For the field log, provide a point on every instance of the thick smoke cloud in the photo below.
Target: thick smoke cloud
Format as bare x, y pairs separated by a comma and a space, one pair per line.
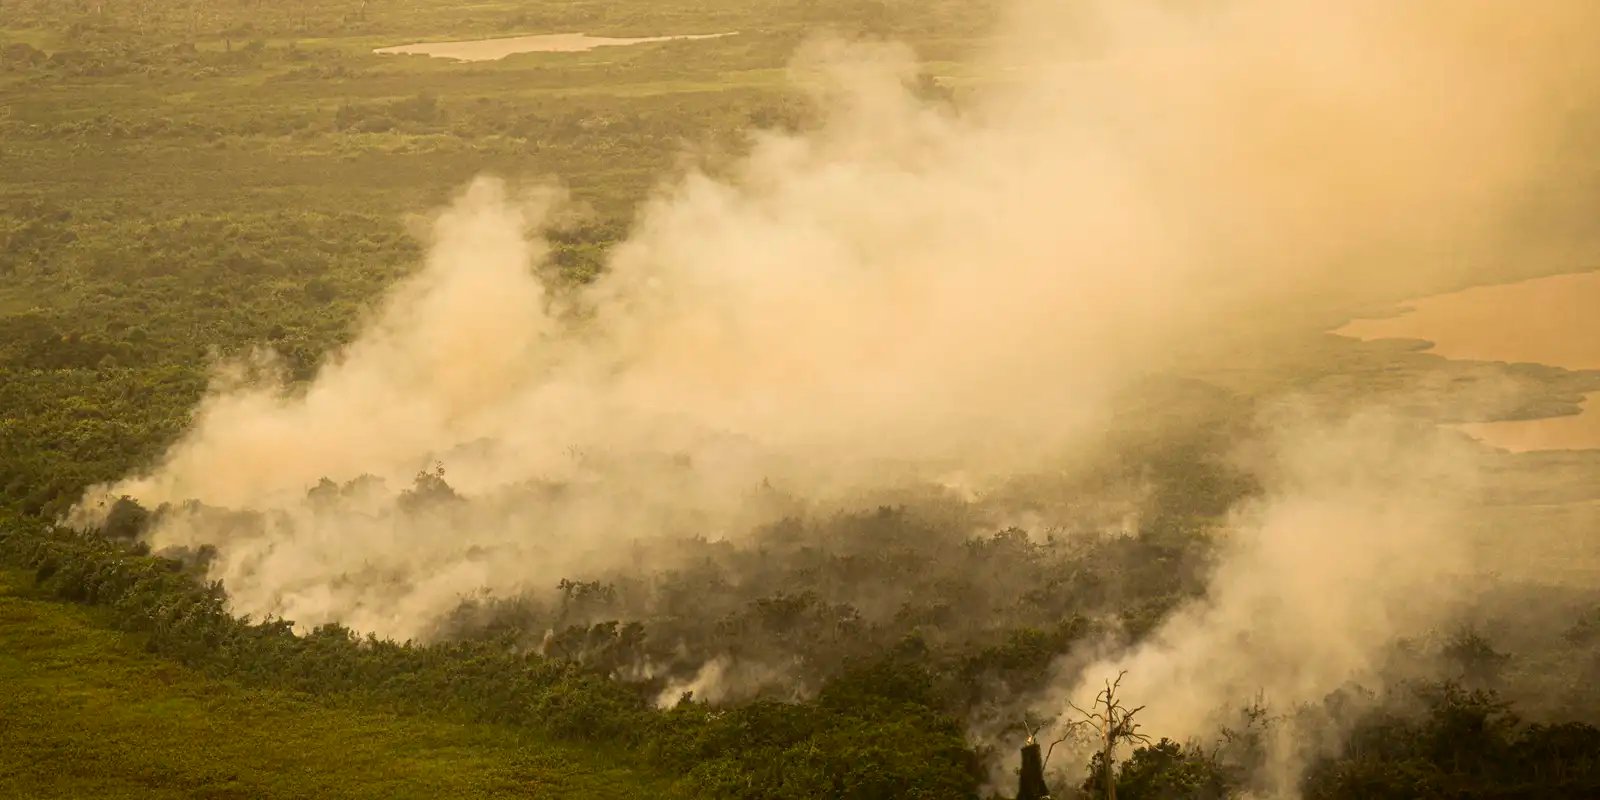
1358, 543
911, 292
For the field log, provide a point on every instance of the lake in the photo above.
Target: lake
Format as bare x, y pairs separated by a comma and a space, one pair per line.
1553, 320
495, 49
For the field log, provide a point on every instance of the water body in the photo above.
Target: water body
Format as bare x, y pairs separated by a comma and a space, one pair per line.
495, 49
1554, 320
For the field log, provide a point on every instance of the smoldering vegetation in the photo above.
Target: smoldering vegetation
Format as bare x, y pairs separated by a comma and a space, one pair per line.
1269, 661
932, 393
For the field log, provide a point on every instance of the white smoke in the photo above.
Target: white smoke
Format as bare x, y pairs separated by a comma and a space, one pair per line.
1356, 543
909, 291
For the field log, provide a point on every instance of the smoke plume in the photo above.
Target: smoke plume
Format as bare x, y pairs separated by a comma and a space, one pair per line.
911, 290
1356, 543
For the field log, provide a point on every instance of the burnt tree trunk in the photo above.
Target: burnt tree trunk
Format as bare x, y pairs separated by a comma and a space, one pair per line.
1030, 783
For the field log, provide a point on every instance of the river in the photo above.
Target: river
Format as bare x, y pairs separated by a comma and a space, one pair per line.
1553, 320
495, 49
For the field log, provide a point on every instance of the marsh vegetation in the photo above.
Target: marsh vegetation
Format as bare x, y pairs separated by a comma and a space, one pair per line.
795, 414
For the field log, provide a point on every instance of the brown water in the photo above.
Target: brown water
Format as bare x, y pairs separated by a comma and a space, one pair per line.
495, 49
1553, 321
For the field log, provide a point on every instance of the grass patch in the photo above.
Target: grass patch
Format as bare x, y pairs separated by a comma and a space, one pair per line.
85, 712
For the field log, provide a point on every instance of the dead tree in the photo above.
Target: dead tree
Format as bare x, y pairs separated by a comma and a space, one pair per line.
1112, 724
1030, 778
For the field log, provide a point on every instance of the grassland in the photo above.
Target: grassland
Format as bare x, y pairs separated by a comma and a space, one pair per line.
86, 712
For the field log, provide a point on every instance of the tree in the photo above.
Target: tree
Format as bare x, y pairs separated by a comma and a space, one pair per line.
1112, 724
126, 521
1030, 780
1169, 771
428, 490
1473, 660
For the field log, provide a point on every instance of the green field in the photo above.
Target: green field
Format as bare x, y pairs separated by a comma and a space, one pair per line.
86, 712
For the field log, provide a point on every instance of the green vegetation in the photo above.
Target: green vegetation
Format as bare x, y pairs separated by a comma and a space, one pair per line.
86, 712
184, 179
882, 727
873, 732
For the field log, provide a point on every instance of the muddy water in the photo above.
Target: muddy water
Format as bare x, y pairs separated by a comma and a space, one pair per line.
1553, 321
494, 49
1577, 431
